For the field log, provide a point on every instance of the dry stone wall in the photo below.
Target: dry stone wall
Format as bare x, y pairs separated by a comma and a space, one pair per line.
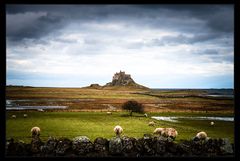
125, 146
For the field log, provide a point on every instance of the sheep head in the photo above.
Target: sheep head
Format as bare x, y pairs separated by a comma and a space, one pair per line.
35, 131
118, 130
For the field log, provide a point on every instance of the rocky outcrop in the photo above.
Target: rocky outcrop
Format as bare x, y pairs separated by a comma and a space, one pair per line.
95, 86
123, 79
120, 146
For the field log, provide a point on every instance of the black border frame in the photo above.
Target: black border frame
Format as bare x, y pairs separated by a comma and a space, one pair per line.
236, 68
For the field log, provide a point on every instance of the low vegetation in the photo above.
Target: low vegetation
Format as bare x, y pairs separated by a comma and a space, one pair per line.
99, 124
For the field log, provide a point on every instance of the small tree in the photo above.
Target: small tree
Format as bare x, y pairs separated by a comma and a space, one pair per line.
133, 106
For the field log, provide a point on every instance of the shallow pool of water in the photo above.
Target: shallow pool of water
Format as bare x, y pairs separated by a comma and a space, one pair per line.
35, 107
176, 119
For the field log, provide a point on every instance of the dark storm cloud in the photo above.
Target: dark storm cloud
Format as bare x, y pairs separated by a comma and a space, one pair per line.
31, 25
215, 16
35, 21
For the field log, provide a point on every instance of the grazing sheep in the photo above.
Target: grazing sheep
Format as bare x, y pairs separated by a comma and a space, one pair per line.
152, 123
212, 123
35, 131
145, 115
40, 110
14, 116
109, 113
118, 130
25, 115
166, 132
201, 135
171, 132
158, 131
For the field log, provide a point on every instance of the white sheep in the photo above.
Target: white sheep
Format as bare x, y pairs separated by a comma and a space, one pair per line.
35, 131
166, 132
118, 130
152, 123
25, 115
14, 116
212, 123
158, 131
109, 113
201, 135
170, 132
40, 110
145, 115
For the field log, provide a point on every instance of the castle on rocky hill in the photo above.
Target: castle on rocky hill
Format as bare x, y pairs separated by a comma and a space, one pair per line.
123, 79
119, 79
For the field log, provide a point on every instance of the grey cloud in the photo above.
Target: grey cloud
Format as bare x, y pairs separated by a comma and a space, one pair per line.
214, 20
182, 39
91, 41
215, 55
31, 25
62, 40
211, 52
217, 17
222, 22
222, 58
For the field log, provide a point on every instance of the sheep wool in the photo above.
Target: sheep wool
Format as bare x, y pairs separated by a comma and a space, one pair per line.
171, 132
118, 130
35, 131
151, 123
166, 132
212, 123
109, 113
14, 116
201, 135
158, 131
24, 115
40, 110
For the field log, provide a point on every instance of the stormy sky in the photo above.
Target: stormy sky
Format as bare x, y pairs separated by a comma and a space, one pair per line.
161, 46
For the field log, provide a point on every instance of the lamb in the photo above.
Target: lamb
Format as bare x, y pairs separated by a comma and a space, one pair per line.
201, 135
118, 130
14, 116
145, 115
35, 131
212, 123
152, 123
109, 113
25, 115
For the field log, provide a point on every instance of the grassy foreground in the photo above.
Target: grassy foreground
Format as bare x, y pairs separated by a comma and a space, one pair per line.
99, 124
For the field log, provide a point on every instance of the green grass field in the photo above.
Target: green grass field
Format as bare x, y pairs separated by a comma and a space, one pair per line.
99, 124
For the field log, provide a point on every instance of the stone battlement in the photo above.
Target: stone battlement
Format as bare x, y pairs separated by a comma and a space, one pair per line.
121, 75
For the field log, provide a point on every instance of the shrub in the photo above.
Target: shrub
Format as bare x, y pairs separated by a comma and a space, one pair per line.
133, 106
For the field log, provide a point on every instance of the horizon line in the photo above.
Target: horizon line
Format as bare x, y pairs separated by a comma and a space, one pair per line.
147, 87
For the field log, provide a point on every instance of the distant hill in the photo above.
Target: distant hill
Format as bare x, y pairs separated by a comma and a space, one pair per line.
120, 80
